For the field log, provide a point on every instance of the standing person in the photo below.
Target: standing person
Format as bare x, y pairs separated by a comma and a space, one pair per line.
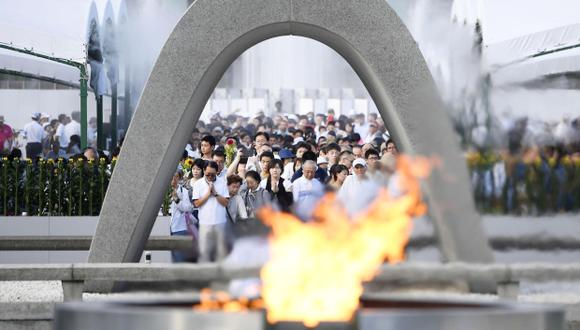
254, 196
373, 133
34, 135
74, 147
288, 158
338, 174
192, 147
265, 159
6, 135
55, 152
236, 209
211, 196
92, 133
195, 175
206, 147
73, 126
357, 191
391, 147
220, 158
306, 191
360, 126
279, 188
60, 136
322, 163
260, 140
181, 209
332, 153
320, 174
372, 159
346, 158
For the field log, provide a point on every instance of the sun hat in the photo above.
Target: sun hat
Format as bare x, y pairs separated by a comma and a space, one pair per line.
359, 161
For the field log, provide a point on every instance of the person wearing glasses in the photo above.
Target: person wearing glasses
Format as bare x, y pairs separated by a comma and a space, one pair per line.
210, 195
357, 191
372, 158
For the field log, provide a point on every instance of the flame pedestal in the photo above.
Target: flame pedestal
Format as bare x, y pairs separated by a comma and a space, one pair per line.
374, 314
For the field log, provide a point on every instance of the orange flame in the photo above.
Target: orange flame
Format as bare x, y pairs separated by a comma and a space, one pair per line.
317, 268
220, 300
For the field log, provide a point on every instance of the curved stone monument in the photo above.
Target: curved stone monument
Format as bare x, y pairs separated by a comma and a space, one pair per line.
210, 36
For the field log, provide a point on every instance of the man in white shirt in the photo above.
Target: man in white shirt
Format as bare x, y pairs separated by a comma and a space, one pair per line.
34, 135
373, 133
360, 126
220, 158
357, 191
211, 196
92, 132
74, 126
60, 136
306, 191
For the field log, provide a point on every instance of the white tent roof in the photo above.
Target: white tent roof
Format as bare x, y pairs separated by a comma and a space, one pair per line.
515, 30
516, 49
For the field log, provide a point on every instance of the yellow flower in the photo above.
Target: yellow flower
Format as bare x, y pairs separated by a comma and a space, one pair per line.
102, 160
189, 162
552, 162
538, 161
70, 160
29, 161
114, 159
60, 159
4, 158
473, 158
50, 161
566, 160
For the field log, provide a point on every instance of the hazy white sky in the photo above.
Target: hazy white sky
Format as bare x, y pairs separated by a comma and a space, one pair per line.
58, 26
508, 19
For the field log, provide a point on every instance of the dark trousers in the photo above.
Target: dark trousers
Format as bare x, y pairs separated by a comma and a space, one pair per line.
178, 255
33, 150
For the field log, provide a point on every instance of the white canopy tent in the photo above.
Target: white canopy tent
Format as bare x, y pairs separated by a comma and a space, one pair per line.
526, 41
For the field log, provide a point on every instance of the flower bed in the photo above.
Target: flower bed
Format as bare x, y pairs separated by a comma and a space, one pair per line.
55, 187
501, 185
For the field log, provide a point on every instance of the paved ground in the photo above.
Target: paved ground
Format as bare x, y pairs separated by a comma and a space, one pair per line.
560, 225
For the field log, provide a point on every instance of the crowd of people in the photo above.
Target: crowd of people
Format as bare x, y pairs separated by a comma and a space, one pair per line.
233, 166
48, 138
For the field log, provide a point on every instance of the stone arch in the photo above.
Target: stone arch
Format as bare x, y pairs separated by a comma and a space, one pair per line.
210, 36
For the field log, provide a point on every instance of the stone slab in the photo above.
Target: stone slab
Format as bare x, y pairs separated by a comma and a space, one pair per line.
36, 272
210, 36
26, 311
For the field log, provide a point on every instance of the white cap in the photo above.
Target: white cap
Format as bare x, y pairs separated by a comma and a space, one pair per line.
298, 139
321, 160
359, 161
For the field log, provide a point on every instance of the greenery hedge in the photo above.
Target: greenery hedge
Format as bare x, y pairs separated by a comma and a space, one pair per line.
57, 188
532, 186
78, 187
